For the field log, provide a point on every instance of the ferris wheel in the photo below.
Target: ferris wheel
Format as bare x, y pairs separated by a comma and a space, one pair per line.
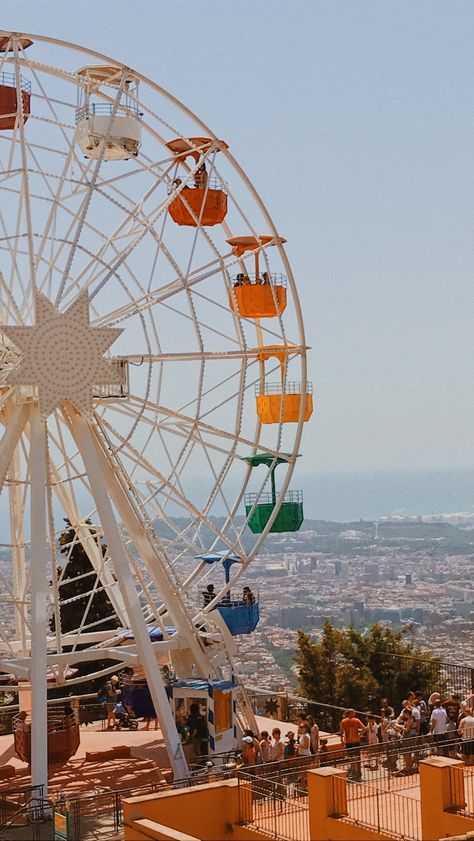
153, 385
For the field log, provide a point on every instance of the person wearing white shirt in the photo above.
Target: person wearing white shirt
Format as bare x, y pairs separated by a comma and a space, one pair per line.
439, 724
466, 729
277, 747
417, 717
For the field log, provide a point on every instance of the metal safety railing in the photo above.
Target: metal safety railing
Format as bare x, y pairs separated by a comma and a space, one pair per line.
103, 109
287, 706
87, 711
368, 806
99, 813
8, 80
211, 183
266, 498
462, 791
274, 279
402, 672
23, 806
389, 766
282, 388
273, 808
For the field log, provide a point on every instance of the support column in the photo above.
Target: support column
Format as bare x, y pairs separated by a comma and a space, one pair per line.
18, 549
39, 602
85, 442
326, 798
442, 794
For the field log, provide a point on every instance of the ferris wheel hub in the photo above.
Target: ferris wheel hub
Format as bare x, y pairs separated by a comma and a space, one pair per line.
63, 355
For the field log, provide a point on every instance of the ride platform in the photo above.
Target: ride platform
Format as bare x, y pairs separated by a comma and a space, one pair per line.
140, 759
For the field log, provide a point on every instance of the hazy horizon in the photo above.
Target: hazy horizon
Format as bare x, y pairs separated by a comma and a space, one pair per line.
368, 495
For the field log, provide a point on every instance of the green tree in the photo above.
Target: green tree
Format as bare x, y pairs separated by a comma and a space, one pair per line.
77, 580
350, 669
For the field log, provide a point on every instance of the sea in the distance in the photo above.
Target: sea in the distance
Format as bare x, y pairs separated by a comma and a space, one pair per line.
368, 496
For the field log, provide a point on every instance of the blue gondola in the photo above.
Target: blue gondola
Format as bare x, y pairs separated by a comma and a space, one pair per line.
239, 616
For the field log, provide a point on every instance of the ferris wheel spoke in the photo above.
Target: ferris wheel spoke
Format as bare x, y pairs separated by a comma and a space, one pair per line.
145, 226
156, 296
151, 499
217, 490
14, 425
8, 303
222, 355
25, 176
187, 421
87, 198
87, 538
174, 493
17, 498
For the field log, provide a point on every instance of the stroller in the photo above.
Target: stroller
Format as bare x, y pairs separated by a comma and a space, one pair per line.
125, 717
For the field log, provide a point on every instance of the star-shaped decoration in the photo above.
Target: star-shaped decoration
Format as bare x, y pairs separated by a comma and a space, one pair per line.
63, 355
271, 707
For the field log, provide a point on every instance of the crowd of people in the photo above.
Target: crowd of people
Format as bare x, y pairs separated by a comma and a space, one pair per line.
448, 723
445, 724
304, 741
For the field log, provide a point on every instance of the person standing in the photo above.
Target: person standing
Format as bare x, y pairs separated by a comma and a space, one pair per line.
198, 732
372, 732
304, 740
256, 744
111, 695
409, 725
248, 751
208, 595
201, 177
385, 708
264, 746
466, 730
351, 729
290, 747
277, 747
314, 734
424, 713
439, 724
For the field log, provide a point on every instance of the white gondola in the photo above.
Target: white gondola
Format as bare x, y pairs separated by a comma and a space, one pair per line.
107, 129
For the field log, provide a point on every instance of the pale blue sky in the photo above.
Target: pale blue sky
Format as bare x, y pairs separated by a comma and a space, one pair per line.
355, 122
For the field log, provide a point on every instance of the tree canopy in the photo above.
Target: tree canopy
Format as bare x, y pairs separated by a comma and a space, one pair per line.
76, 582
352, 669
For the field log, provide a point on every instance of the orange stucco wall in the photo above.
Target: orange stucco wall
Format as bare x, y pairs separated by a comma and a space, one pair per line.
442, 784
322, 805
208, 812
146, 829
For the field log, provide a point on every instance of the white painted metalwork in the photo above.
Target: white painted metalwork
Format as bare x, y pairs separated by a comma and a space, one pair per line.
140, 450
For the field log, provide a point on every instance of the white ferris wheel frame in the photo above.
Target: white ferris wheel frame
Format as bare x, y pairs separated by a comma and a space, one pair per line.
101, 444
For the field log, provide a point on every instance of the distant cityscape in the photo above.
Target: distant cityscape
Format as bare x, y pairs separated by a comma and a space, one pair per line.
416, 571
401, 571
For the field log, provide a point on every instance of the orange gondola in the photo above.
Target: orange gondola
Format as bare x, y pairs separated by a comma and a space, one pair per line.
277, 403
205, 201
256, 295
